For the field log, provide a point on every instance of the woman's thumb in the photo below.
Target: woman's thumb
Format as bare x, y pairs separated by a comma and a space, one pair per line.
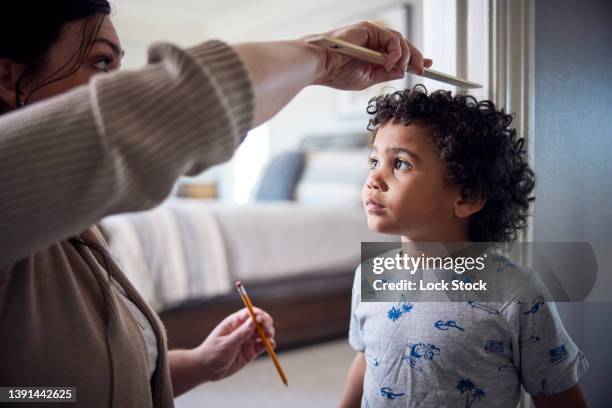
242, 332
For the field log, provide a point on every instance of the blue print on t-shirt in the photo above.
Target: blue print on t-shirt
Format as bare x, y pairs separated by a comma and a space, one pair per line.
442, 325
472, 393
478, 305
537, 302
494, 346
397, 311
557, 354
389, 394
419, 353
371, 359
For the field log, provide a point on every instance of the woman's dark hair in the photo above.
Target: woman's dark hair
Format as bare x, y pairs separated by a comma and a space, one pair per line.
30, 28
483, 155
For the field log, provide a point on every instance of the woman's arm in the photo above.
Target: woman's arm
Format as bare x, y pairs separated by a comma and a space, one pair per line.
184, 371
353, 390
119, 143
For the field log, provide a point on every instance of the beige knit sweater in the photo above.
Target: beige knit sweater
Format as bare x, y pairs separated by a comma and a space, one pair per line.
115, 145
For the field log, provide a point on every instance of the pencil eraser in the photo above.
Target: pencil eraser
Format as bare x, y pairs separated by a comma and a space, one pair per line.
238, 284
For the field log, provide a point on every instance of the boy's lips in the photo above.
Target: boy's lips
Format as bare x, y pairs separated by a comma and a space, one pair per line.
373, 206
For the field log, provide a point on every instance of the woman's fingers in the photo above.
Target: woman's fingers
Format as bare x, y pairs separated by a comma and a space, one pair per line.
379, 74
241, 333
255, 335
264, 315
239, 326
259, 341
402, 63
387, 41
266, 321
401, 54
230, 323
395, 50
416, 60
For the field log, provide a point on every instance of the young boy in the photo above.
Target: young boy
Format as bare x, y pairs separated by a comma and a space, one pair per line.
444, 169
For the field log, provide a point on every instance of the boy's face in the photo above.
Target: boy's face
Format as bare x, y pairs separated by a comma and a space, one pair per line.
405, 192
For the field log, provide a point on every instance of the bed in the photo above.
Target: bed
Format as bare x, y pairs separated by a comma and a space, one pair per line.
295, 247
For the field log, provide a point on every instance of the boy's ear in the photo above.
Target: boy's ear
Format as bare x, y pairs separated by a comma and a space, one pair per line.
466, 206
10, 71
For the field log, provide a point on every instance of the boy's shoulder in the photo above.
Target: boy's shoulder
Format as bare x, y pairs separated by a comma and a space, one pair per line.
512, 282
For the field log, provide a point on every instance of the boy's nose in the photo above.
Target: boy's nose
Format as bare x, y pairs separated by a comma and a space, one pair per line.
376, 182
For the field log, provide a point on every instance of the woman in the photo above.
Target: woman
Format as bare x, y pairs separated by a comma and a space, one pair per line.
75, 147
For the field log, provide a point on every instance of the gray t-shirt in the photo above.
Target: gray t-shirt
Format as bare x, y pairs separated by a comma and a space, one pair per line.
462, 354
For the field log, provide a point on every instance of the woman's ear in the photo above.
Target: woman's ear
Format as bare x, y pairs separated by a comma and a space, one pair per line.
10, 72
466, 206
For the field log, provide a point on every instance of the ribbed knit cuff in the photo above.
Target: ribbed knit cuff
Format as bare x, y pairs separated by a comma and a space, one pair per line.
228, 70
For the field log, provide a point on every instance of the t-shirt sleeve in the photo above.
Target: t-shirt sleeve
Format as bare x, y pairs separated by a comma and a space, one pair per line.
355, 327
549, 361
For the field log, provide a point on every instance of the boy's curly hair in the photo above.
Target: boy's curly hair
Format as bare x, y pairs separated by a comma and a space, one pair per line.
482, 154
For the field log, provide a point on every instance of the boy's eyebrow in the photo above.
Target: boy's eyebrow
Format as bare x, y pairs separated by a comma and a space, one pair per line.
400, 150
406, 151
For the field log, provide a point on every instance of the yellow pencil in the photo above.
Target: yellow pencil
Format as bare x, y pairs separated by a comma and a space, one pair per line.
247, 302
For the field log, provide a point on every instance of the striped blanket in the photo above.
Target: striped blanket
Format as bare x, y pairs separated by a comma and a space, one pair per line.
171, 253
193, 249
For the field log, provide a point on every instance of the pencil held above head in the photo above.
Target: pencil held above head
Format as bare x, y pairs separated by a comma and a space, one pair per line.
345, 71
280, 71
347, 48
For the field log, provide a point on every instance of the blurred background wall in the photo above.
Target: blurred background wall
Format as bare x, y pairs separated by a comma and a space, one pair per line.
572, 156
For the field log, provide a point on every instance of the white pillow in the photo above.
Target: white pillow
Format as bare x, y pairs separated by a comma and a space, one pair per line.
333, 178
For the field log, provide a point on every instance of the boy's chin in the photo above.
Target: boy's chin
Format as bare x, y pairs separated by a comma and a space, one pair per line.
379, 226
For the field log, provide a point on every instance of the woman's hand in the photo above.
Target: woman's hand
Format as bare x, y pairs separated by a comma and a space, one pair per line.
279, 70
232, 344
349, 73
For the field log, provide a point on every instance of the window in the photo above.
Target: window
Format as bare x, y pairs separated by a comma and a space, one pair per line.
248, 162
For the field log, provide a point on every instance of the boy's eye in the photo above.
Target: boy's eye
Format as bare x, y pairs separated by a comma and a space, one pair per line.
372, 162
401, 165
104, 64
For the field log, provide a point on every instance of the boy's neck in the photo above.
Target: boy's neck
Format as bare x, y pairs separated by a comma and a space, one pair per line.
454, 236
439, 245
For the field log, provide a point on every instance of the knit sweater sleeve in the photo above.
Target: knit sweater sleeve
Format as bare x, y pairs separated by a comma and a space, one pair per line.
118, 143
